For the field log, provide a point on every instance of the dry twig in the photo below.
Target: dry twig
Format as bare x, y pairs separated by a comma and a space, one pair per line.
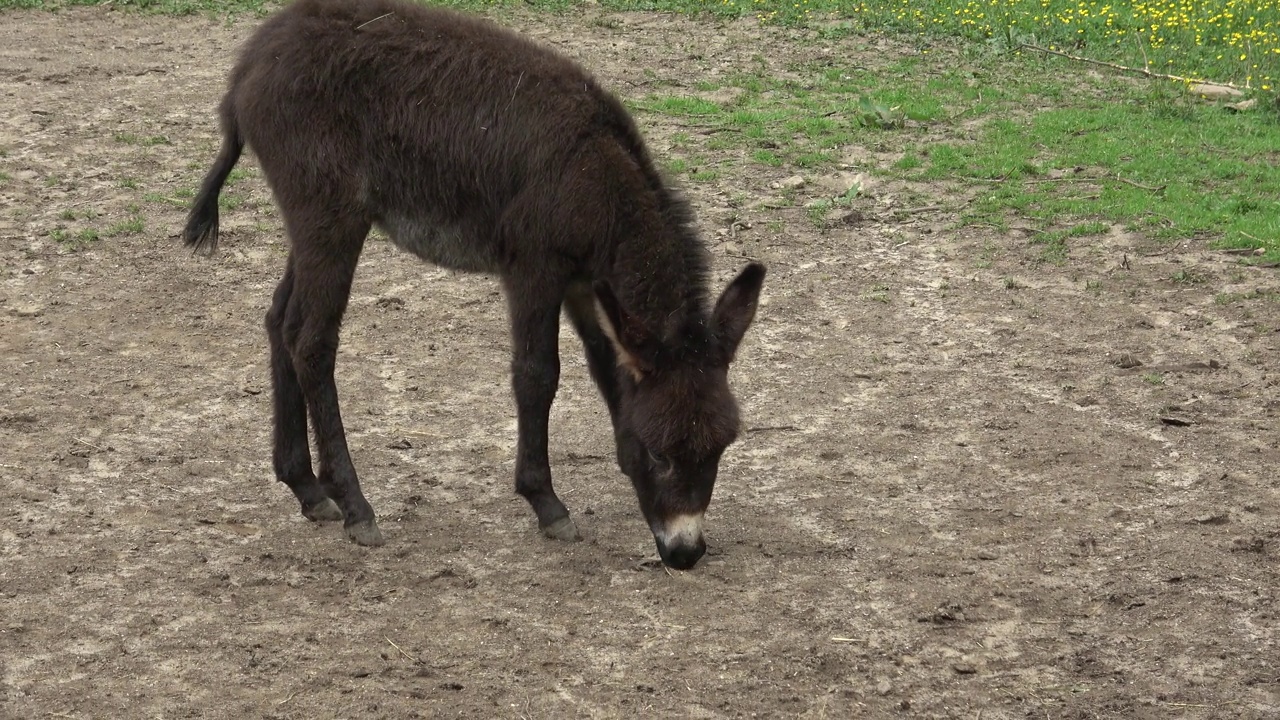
1140, 186
1125, 68
401, 650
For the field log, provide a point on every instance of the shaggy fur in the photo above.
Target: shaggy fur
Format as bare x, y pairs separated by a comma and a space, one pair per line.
478, 150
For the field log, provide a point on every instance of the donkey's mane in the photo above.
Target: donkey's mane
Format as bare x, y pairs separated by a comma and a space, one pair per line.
677, 217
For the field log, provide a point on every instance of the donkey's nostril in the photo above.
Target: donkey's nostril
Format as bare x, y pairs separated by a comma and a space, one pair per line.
682, 557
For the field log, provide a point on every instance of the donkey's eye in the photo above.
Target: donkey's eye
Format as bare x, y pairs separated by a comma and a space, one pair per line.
659, 460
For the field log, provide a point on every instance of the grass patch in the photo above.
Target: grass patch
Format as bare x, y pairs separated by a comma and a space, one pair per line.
1188, 277
132, 226
71, 214
1254, 295
160, 199
134, 139
1056, 242
1130, 163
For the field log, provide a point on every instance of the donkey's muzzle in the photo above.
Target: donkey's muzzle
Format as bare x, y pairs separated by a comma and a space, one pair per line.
680, 542
682, 557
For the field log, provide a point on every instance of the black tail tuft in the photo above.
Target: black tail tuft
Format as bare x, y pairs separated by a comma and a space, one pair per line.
202, 223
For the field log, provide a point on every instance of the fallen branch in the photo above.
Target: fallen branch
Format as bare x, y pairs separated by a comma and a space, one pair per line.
1140, 186
1116, 66
773, 428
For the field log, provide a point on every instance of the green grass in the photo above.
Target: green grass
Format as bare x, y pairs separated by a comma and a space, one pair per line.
134, 139
1200, 173
1255, 295
132, 226
161, 199
1074, 160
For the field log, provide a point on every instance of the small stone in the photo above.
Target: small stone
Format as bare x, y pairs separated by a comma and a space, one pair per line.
401, 444
1250, 544
842, 184
987, 555
1210, 91
884, 687
1243, 106
27, 310
795, 182
964, 668
1212, 519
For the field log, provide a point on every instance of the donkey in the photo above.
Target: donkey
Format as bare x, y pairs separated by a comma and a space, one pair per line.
478, 150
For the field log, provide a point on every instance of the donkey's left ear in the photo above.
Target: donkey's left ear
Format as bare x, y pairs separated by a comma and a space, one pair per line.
631, 340
736, 308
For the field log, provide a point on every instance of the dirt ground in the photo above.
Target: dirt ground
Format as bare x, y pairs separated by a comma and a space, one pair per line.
951, 500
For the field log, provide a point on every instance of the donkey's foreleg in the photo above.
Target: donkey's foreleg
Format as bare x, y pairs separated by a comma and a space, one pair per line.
325, 251
535, 374
291, 455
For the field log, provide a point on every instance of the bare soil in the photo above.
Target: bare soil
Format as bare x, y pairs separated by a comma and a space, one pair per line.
951, 500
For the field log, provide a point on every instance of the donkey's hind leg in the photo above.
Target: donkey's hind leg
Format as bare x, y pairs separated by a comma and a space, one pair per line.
326, 248
291, 455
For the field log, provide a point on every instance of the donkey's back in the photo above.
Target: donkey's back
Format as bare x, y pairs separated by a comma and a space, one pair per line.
450, 132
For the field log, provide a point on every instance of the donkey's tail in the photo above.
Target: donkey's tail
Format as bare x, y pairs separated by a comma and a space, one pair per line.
202, 222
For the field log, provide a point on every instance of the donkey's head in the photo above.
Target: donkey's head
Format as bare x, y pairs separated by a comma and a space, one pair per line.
676, 414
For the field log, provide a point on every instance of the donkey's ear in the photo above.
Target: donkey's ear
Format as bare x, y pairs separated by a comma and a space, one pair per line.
629, 337
736, 308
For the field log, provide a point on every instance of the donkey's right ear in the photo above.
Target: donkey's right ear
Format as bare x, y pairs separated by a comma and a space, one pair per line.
628, 336
736, 308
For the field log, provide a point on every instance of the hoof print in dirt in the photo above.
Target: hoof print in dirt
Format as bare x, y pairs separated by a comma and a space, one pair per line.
366, 533
325, 511
562, 529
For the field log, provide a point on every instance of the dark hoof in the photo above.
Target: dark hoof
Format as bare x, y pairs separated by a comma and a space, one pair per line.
562, 529
366, 533
324, 511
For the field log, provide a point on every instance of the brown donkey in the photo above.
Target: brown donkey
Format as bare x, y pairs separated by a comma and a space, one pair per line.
478, 150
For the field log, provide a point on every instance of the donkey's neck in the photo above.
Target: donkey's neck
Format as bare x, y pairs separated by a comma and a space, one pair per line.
659, 271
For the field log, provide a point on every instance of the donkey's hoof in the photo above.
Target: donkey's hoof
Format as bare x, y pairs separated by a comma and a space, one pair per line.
324, 511
562, 529
366, 533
